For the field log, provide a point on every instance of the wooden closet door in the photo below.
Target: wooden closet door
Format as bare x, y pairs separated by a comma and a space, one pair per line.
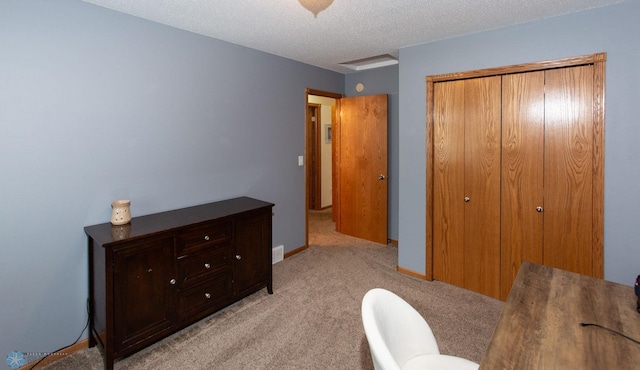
467, 184
522, 173
482, 141
550, 195
448, 183
569, 160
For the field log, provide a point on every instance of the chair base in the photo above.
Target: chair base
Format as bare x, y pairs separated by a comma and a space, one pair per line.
440, 362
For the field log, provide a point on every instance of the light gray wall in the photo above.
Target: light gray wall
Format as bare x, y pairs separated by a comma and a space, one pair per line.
613, 29
97, 106
384, 81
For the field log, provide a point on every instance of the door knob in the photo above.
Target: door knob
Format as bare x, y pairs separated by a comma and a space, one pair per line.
467, 199
539, 209
381, 177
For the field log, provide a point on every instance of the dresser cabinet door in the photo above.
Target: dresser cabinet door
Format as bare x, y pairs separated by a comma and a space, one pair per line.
144, 281
252, 260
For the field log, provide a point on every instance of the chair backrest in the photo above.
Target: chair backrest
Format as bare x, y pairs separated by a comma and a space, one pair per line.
396, 332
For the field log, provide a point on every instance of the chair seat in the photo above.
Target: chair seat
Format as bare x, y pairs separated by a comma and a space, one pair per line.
398, 334
439, 362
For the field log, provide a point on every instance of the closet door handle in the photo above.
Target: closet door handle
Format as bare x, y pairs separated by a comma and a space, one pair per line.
539, 209
467, 199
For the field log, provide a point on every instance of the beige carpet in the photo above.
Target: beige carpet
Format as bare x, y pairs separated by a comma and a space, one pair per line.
312, 321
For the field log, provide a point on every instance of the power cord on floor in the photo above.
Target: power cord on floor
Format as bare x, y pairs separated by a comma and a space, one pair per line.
611, 330
60, 349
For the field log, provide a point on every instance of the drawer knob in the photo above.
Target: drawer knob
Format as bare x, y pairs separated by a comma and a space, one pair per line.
206, 237
238, 257
207, 295
172, 281
206, 265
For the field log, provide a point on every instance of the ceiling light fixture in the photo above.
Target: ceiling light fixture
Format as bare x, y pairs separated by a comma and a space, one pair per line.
372, 62
315, 6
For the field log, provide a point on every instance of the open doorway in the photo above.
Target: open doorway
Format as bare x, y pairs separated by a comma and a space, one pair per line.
322, 109
320, 112
358, 189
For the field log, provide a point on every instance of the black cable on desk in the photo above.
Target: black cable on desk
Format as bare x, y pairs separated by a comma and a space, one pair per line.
611, 330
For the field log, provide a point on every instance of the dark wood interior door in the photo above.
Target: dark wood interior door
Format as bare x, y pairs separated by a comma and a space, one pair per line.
363, 167
314, 161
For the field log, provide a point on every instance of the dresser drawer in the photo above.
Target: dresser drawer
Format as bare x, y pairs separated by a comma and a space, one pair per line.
198, 266
212, 294
196, 239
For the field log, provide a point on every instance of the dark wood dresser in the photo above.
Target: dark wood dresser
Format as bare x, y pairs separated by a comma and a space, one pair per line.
162, 272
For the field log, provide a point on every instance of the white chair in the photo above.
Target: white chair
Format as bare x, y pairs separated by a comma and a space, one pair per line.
399, 338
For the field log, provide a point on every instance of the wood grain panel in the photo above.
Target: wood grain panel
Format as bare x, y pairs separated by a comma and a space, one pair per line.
599, 72
576, 177
448, 182
522, 173
568, 214
539, 327
363, 151
429, 179
334, 167
525, 67
482, 147
348, 161
337, 165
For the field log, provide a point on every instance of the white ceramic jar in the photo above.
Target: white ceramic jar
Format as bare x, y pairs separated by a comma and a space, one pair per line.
120, 213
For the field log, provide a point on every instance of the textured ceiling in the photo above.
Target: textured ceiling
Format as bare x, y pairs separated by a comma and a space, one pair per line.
347, 30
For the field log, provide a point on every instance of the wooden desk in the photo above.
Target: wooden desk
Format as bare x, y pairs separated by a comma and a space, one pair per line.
540, 325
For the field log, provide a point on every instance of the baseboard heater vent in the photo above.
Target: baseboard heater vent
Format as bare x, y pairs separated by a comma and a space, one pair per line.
277, 254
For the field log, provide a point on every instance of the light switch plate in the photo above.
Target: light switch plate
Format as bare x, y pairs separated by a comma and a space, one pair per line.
300, 161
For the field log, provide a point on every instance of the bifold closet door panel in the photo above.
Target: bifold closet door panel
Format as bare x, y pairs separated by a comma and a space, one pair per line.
467, 184
482, 142
448, 183
522, 173
568, 213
